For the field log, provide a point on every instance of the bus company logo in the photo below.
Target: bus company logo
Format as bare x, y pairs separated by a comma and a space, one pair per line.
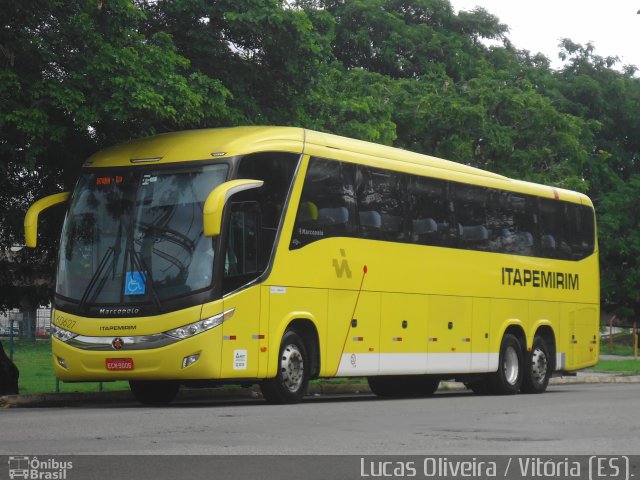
35, 469
342, 267
117, 343
114, 328
119, 311
540, 279
354, 360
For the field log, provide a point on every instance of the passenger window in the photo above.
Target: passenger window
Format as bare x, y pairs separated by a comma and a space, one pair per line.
511, 223
553, 243
380, 204
470, 207
429, 212
327, 203
586, 230
579, 230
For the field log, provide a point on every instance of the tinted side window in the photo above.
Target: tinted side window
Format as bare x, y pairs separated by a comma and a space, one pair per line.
380, 204
470, 207
579, 230
511, 222
587, 229
553, 242
341, 199
430, 212
567, 230
327, 203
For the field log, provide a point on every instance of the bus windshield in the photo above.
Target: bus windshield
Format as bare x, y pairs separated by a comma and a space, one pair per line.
136, 236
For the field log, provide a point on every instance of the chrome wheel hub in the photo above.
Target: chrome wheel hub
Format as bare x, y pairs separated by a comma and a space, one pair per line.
292, 368
510, 366
538, 366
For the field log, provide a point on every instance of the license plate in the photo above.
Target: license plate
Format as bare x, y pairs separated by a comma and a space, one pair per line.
119, 363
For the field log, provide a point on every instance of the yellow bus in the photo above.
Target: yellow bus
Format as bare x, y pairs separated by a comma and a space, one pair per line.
276, 255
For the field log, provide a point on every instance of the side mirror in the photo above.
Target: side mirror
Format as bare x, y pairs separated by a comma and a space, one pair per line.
214, 205
31, 217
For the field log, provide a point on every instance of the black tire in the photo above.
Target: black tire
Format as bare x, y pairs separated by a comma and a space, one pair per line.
155, 393
508, 379
479, 387
404, 385
537, 370
291, 382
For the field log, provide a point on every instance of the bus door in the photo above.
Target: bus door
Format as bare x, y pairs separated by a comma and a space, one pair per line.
241, 330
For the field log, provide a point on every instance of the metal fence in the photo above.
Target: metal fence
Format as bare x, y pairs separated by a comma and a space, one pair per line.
21, 324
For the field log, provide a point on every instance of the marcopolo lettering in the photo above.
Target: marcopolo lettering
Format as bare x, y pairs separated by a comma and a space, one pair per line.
119, 311
522, 277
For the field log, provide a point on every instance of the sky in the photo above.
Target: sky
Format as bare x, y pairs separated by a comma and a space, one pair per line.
612, 26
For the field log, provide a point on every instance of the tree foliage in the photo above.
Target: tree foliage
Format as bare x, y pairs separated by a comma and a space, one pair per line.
81, 75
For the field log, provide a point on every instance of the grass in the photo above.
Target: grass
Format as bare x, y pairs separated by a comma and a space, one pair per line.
622, 345
628, 366
33, 359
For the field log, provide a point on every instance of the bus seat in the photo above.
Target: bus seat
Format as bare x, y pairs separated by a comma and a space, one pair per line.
333, 216
391, 223
371, 219
548, 242
307, 212
424, 225
524, 239
474, 233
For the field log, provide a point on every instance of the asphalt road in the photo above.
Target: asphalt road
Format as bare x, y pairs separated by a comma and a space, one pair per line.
568, 419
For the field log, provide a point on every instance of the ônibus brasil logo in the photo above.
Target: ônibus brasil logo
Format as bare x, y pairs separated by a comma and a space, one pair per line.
35, 469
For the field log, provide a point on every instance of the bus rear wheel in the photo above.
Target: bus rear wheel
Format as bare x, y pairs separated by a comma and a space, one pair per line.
291, 382
404, 385
154, 392
508, 379
537, 368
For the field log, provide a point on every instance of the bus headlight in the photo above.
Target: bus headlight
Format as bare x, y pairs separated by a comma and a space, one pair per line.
62, 334
200, 326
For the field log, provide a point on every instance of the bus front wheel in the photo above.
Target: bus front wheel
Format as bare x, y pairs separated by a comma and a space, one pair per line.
537, 368
291, 382
154, 393
508, 379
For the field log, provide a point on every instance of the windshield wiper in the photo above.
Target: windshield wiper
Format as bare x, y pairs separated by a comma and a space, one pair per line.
106, 260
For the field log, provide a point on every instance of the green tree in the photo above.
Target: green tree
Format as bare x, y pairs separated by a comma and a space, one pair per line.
74, 77
267, 54
619, 224
608, 98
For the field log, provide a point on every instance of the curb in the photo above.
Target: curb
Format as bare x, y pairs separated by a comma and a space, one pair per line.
315, 390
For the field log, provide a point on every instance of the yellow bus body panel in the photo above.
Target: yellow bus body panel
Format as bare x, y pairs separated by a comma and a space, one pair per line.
156, 363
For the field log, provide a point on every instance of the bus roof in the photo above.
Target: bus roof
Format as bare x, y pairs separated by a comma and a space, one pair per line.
207, 144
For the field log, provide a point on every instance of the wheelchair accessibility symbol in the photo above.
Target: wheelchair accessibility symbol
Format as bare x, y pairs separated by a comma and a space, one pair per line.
134, 283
